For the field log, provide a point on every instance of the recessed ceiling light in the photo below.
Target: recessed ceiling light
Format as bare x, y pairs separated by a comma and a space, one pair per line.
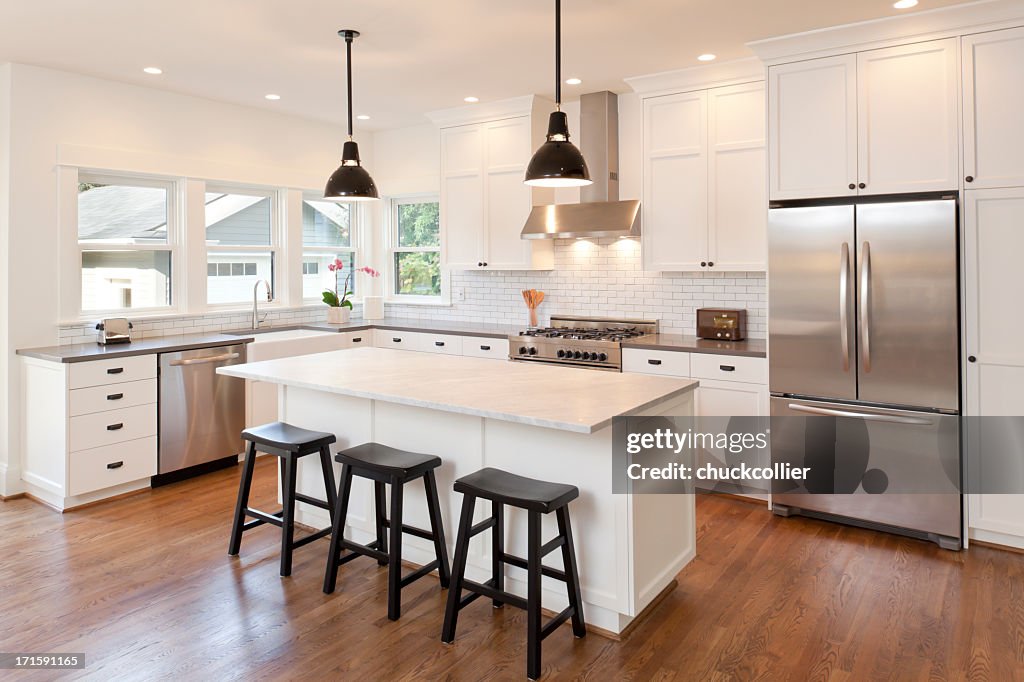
272, 97
706, 58
152, 70
573, 81
904, 4
471, 99
363, 117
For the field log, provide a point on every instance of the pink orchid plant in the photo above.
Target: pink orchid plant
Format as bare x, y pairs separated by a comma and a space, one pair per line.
331, 296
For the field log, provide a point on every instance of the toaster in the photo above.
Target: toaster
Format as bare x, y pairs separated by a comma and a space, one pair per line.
114, 330
721, 324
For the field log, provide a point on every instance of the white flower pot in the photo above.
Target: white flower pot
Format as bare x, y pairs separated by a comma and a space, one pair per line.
338, 315
373, 307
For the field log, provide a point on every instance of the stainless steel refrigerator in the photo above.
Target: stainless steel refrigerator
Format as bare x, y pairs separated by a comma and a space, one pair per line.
864, 345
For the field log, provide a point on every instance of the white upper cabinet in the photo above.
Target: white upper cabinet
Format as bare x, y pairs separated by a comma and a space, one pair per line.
993, 78
812, 124
907, 101
704, 203
484, 203
878, 122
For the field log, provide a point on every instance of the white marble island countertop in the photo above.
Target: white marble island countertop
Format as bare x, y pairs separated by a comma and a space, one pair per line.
565, 398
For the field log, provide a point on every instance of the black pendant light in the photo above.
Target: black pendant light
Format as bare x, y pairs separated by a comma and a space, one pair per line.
350, 182
558, 163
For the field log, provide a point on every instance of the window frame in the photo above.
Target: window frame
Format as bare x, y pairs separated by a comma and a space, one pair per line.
174, 244
276, 247
355, 231
393, 248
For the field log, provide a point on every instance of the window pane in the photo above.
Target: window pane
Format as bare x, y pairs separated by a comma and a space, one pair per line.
237, 274
418, 273
238, 219
113, 280
316, 277
418, 224
121, 214
326, 223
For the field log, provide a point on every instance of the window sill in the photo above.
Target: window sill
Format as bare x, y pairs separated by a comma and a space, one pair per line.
438, 303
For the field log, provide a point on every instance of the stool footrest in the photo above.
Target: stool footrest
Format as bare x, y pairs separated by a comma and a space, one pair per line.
549, 547
411, 530
482, 526
519, 562
262, 517
357, 550
312, 501
323, 532
420, 572
553, 624
488, 590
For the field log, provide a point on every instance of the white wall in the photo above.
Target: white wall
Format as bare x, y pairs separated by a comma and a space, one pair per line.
5, 281
77, 119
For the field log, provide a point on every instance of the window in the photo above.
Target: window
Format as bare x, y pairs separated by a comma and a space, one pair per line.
241, 243
126, 249
415, 262
328, 229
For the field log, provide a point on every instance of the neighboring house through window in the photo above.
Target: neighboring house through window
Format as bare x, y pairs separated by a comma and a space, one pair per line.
328, 233
415, 258
241, 243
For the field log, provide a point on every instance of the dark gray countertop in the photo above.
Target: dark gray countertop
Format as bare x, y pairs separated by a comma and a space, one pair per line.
754, 348
84, 352
494, 331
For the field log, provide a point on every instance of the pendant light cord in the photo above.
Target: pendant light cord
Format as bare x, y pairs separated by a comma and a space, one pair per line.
348, 49
558, 55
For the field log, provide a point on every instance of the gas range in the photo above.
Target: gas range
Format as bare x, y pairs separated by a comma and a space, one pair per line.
592, 342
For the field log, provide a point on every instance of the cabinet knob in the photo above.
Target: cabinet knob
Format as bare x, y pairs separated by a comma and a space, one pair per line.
485, 264
862, 185
703, 263
479, 263
972, 358
853, 185
969, 178
711, 263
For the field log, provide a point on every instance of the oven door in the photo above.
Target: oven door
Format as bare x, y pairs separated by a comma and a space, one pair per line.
870, 466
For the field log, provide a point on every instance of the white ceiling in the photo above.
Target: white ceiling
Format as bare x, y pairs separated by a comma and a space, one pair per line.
414, 56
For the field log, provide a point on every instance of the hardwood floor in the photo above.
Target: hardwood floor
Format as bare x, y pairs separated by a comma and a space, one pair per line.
144, 586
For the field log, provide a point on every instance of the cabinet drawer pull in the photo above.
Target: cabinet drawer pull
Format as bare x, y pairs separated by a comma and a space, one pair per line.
115, 370
485, 347
357, 339
654, 362
439, 344
115, 427
396, 340
116, 465
115, 396
727, 368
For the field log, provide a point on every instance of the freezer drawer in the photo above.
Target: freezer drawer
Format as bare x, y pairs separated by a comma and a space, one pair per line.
865, 466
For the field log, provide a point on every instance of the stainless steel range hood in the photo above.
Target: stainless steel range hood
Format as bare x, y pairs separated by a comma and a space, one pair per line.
599, 213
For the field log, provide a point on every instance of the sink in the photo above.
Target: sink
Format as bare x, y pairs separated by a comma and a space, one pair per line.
261, 336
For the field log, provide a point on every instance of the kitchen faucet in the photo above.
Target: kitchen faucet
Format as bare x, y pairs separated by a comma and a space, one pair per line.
256, 319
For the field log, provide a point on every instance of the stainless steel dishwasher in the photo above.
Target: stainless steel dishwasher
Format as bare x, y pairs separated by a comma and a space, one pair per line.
201, 413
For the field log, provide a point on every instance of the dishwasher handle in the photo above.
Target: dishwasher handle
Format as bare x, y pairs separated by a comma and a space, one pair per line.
204, 361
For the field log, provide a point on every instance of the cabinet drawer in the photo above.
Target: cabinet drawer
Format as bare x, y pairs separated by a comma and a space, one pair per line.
729, 368
116, 426
667, 362
360, 339
111, 465
482, 347
449, 344
386, 338
113, 397
113, 371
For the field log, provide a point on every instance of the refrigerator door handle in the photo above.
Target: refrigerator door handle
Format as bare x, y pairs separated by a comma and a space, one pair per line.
844, 304
865, 306
892, 419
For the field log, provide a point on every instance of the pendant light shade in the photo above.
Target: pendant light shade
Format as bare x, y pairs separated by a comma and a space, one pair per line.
558, 163
350, 182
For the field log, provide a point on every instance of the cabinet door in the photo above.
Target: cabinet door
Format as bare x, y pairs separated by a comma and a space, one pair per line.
721, 408
993, 243
907, 118
508, 199
675, 204
812, 128
737, 191
993, 101
462, 197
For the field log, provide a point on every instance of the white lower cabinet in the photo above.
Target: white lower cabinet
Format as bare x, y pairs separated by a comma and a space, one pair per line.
446, 344
484, 347
744, 394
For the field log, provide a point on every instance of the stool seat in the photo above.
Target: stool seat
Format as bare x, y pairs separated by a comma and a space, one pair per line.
517, 491
287, 437
391, 461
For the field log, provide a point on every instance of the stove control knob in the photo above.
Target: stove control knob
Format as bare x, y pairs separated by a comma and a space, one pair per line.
602, 357
522, 350
577, 355
560, 353
532, 351
586, 355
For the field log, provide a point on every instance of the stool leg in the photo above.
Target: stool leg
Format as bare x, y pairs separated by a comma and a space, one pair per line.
338, 529
437, 528
395, 552
533, 596
498, 550
330, 486
244, 486
451, 611
572, 582
288, 517
379, 501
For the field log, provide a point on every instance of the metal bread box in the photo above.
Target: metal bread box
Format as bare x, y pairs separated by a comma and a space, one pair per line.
114, 330
721, 324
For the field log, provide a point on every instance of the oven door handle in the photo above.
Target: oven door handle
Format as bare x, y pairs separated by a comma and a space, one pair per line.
866, 416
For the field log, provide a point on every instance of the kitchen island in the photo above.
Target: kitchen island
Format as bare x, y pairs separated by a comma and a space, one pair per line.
545, 422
